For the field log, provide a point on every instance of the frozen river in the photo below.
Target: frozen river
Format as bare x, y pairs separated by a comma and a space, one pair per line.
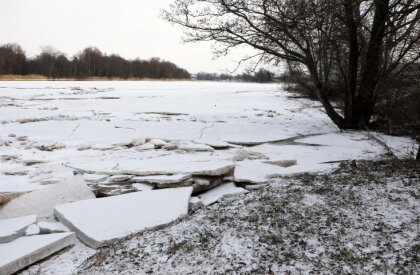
49, 130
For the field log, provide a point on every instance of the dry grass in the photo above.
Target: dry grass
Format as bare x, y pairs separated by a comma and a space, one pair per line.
44, 78
22, 77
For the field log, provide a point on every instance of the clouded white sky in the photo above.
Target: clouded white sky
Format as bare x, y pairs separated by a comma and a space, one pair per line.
131, 28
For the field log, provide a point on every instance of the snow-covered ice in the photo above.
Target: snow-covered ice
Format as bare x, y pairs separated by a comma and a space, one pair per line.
14, 184
11, 229
104, 220
219, 192
25, 251
51, 227
32, 230
163, 180
101, 129
142, 186
254, 171
43, 201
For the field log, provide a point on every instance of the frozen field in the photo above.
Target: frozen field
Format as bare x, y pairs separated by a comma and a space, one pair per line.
123, 137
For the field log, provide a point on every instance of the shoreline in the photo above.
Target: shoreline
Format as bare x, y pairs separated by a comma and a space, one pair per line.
44, 78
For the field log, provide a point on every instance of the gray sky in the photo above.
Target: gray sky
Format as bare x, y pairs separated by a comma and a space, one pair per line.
131, 28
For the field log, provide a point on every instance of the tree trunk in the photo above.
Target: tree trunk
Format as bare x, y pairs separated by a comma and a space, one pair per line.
353, 63
323, 98
366, 99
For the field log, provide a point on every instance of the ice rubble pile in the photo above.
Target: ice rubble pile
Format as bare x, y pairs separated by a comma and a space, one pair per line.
40, 223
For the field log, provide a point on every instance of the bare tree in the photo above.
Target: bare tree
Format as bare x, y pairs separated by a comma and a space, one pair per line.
12, 59
348, 45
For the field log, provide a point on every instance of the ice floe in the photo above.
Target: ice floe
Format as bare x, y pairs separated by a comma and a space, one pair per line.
11, 229
222, 191
104, 220
43, 201
25, 251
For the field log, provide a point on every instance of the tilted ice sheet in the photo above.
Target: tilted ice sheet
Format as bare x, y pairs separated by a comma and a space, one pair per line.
42, 202
25, 251
199, 164
219, 192
15, 184
103, 220
10, 229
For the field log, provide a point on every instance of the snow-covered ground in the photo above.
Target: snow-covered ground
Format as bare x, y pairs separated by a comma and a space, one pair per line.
129, 136
362, 219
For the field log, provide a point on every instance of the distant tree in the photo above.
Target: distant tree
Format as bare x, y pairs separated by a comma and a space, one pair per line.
12, 59
89, 62
263, 76
207, 76
45, 62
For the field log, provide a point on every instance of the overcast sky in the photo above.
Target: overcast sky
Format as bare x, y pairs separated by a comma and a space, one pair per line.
131, 28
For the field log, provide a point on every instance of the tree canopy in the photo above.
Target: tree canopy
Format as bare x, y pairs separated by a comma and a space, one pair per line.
90, 62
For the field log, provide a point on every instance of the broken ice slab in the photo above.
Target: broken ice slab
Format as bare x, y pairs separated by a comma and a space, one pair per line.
194, 147
254, 171
32, 230
14, 184
219, 192
304, 168
142, 186
203, 164
11, 229
51, 227
98, 221
163, 180
93, 178
157, 143
43, 201
25, 251
120, 178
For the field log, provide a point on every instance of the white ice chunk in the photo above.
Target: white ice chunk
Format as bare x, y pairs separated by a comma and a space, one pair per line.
105, 220
163, 179
94, 178
146, 146
254, 171
33, 229
304, 168
25, 251
43, 201
142, 186
120, 178
158, 142
161, 165
138, 141
11, 229
51, 227
194, 147
219, 192
13, 184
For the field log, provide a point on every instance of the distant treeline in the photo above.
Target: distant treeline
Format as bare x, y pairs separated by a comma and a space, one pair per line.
90, 62
262, 76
